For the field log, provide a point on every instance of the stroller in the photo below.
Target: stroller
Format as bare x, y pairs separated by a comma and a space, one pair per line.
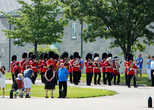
17, 87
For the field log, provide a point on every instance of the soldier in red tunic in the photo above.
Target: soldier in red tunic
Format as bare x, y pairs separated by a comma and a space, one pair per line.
24, 62
104, 57
116, 73
131, 71
12, 65
89, 68
76, 68
43, 66
70, 69
109, 70
34, 66
96, 69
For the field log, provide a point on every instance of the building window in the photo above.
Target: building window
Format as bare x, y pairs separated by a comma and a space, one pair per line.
74, 31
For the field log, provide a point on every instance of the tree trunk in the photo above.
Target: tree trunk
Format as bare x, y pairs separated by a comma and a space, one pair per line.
35, 48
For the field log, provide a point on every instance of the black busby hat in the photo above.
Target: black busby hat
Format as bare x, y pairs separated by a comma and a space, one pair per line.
96, 55
89, 56
56, 56
51, 54
71, 57
14, 57
76, 55
45, 56
64, 55
41, 56
33, 57
30, 55
24, 55
109, 55
104, 55
130, 57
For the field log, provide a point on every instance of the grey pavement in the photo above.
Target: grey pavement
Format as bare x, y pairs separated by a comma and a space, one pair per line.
126, 99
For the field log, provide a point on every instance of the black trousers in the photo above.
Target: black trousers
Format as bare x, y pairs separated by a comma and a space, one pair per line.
62, 89
71, 78
97, 79
75, 77
13, 78
126, 79
109, 78
129, 78
104, 77
152, 77
34, 77
116, 79
89, 78
79, 76
42, 77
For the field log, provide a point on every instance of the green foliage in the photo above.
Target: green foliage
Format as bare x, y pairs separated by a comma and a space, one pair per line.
40, 22
122, 20
45, 49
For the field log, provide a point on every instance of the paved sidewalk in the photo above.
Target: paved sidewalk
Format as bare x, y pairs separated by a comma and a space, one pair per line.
126, 99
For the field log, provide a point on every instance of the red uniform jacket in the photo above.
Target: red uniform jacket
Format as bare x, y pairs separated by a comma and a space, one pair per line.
108, 67
75, 65
52, 62
43, 66
89, 67
12, 66
34, 66
126, 66
103, 66
96, 67
131, 68
23, 65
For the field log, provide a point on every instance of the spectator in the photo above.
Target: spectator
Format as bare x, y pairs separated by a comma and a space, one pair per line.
50, 82
139, 64
2, 80
148, 66
27, 80
62, 77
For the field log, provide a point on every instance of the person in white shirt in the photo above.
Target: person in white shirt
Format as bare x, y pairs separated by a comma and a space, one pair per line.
2, 80
152, 70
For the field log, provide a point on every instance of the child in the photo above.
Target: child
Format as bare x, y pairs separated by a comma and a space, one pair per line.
49, 83
27, 80
62, 77
152, 70
19, 81
2, 80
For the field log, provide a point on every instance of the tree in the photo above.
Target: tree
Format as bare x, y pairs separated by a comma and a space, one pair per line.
122, 20
40, 22
74, 10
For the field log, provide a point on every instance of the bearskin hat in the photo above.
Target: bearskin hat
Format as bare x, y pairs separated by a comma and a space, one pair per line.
51, 54
76, 55
33, 57
109, 55
104, 55
30, 55
71, 57
96, 55
14, 57
56, 56
45, 56
64, 55
130, 57
88, 56
24, 55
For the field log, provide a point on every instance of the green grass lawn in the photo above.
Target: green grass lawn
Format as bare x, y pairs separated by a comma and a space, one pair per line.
144, 81
73, 92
